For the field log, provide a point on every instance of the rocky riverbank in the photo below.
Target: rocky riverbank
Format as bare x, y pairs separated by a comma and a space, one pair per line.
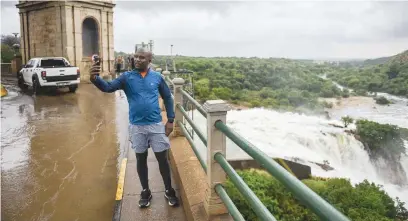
358, 101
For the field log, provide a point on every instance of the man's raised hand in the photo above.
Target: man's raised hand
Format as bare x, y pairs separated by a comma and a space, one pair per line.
95, 68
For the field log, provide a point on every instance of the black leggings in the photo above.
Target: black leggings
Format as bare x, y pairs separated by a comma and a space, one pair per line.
118, 67
163, 166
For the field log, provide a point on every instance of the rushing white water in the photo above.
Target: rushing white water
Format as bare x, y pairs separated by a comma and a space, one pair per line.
311, 139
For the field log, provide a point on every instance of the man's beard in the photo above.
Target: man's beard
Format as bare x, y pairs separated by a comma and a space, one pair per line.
142, 68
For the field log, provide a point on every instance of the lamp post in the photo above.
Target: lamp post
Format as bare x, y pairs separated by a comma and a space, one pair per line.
15, 46
174, 63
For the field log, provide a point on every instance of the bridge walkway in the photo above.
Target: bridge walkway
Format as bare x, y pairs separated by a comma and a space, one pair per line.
159, 208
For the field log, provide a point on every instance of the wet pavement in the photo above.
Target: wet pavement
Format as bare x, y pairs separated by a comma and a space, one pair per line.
60, 153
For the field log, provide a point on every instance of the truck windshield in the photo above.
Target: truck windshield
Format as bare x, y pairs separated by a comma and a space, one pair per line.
53, 63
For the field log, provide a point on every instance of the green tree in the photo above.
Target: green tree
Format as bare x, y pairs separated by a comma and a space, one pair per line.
382, 139
222, 93
347, 120
7, 53
202, 88
10, 40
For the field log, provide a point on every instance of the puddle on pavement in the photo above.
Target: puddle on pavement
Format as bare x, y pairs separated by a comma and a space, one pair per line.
60, 154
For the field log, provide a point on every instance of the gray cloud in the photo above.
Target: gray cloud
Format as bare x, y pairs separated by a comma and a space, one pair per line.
277, 29
158, 6
8, 4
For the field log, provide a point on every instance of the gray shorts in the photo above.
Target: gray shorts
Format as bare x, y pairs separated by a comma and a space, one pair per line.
153, 135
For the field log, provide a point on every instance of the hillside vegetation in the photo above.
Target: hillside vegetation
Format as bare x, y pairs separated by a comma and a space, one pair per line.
289, 84
390, 77
275, 83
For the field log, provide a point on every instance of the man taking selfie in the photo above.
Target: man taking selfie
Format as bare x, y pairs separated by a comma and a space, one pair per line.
142, 87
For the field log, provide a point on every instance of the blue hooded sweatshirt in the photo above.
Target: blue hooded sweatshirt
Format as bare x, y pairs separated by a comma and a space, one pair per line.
142, 94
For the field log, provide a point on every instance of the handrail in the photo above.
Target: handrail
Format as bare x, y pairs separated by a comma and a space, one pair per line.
232, 209
256, 204
193, 101
317, 204
192, 124
169, 80
193, 146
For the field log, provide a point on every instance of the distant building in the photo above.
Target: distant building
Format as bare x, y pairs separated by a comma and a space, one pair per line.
148, 46
336, 63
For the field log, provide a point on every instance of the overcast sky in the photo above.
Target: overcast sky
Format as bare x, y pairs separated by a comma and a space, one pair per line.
295, 29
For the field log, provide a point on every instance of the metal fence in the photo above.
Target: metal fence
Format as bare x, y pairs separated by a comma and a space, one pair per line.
6, 68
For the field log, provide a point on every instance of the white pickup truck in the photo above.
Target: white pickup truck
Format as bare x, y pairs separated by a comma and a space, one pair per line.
48, 72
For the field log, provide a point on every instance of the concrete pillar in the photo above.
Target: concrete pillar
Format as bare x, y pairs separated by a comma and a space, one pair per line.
166, 74
178, 99
16, 64
216, 143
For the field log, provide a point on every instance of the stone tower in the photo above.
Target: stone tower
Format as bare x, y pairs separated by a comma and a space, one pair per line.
72, 29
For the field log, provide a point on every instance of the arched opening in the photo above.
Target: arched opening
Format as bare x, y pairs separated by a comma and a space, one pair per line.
90, 37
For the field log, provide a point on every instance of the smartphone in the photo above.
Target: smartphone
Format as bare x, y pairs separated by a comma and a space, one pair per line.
96, 60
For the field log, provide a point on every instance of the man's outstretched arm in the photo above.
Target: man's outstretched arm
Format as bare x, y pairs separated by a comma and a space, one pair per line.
165, 93
101, 84
108, 87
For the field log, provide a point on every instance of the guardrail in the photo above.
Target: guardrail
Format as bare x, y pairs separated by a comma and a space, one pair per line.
217, 166
6, 68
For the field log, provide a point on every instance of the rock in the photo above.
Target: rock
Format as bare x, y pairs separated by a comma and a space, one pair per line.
350, 131
327, 115
325, 166
357, 137
335, 125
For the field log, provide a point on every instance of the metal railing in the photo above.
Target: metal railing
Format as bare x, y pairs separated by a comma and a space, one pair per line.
217, 131
6, 68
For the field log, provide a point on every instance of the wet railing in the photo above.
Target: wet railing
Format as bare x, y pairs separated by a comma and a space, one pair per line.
217, 131
6, 68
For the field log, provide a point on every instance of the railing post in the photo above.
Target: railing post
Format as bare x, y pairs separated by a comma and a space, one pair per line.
178, 99
166, 74
216, 143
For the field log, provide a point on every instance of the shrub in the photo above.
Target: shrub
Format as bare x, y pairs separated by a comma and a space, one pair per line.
345, 93
383, 139
382, 100
364, 202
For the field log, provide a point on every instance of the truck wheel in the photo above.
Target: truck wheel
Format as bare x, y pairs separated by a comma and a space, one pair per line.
36, 86
21, 82
72, 89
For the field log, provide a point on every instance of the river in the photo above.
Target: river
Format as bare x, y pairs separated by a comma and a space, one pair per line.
60, 154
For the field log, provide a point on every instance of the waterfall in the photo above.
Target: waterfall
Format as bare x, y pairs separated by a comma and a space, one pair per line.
309, 139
